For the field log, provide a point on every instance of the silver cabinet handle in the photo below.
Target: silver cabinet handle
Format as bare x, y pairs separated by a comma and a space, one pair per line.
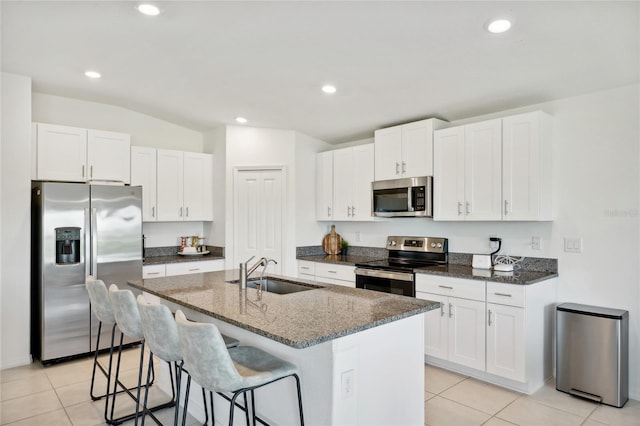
446, 286
353, 210
194, 269
450, 310
404, 167
489, 317
304, 267
441, 310
91, 171
187, 211
397, 168
468, 207
332, 272
153, 211
348, 211
506, 207
502, 294
459, 208
329, 211
180, 211
153, 273
83, 170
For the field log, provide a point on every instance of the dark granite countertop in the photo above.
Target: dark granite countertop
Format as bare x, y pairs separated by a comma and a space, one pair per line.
519, 277
157, 260
298, 320
338, 259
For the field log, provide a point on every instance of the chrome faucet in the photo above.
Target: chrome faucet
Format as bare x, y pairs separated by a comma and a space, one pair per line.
245, 271
264, 268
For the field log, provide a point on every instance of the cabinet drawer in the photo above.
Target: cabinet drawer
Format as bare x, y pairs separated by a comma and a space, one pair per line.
338, 272
306, 267
457, 287
505, 294
185, 268
153, 271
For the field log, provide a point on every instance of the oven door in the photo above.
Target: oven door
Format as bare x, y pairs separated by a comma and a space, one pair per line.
401, 283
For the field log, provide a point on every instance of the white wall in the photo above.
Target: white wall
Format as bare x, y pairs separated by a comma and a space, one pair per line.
596, 197
15, 220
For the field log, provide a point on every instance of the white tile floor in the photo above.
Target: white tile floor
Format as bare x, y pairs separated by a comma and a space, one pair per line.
59, 396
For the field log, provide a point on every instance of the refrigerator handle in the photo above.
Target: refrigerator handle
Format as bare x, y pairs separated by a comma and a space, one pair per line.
87, 243
94, 242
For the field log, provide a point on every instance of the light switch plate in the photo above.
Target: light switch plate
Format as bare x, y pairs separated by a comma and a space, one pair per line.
573, 244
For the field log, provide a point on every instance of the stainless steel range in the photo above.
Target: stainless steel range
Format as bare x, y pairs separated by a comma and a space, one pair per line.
396, 273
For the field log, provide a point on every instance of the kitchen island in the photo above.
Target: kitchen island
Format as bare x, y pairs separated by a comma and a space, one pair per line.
360, 353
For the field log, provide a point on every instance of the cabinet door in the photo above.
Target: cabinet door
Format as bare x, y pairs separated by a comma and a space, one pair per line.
388, 153
436, 326
61, 153
343, 176
109, 156
170, 185
363, 168
324, 185
143, 173
467, 332
505, 341
522, 177
198, 186
448, 178
417, 149
483, 171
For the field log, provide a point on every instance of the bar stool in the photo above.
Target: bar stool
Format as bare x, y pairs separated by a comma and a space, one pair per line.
102, 309
237, 370
161, 335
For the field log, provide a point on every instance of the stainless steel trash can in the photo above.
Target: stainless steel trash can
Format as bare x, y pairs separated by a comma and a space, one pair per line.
592, 353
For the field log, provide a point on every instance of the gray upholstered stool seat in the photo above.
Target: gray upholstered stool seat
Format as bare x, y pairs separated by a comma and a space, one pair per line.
161, 335
238, 370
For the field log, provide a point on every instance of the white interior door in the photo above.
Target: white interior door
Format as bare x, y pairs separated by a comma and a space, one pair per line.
258, 210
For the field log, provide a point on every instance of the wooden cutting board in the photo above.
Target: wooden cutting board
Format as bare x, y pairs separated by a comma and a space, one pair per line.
331, 242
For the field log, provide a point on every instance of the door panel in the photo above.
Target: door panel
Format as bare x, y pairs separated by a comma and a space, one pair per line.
467, 333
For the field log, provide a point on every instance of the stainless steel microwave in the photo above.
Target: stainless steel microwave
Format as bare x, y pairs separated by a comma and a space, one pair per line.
410, 197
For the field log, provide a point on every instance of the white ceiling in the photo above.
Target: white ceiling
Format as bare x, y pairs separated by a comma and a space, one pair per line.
200, 64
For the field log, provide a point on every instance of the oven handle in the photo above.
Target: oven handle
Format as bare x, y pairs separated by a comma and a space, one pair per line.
401, 276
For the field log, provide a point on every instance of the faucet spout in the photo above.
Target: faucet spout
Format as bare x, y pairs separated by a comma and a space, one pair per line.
246, 270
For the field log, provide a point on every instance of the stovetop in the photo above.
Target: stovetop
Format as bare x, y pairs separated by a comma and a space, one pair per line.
409, 253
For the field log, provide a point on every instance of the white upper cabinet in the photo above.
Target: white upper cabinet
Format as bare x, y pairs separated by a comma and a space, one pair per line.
143, 173
176, 186
406, 150
109, 156
198, 186
467, 172
343, 183
526, 167
494, 170
324, 185
61, 153
352, 177
72, 154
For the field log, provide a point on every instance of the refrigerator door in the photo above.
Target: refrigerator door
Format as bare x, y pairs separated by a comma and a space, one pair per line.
60, 212
116, 241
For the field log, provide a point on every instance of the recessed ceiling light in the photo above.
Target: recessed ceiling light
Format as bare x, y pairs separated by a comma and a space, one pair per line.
329, 88
241, 120
148, 9
92, 74
499, 26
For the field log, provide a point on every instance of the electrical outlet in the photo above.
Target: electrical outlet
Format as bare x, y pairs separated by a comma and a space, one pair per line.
347, 383
573, 244
535, 243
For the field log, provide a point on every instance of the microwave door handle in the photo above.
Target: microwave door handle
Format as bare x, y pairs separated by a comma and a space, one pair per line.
410, 206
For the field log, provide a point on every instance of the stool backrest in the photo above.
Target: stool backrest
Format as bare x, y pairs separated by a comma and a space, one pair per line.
125, 309
206, 356
160, 330
100, 302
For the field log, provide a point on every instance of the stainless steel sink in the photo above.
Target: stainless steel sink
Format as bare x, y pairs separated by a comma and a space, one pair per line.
274, 285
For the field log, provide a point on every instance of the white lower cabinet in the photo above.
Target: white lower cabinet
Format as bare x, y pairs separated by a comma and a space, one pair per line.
498, 332
329, 273
456, 331
182, 268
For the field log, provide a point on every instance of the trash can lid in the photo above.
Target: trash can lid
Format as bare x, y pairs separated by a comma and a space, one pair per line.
597, 311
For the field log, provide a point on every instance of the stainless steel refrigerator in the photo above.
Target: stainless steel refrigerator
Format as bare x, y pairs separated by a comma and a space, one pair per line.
79, 230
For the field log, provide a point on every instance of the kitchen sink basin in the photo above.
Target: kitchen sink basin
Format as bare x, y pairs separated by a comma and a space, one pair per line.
274, 285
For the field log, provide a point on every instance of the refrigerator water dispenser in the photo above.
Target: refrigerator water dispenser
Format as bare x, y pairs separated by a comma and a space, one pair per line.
67, 245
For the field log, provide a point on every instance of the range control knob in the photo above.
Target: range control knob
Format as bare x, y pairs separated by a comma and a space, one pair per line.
433, 245
393, 243
439, 245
